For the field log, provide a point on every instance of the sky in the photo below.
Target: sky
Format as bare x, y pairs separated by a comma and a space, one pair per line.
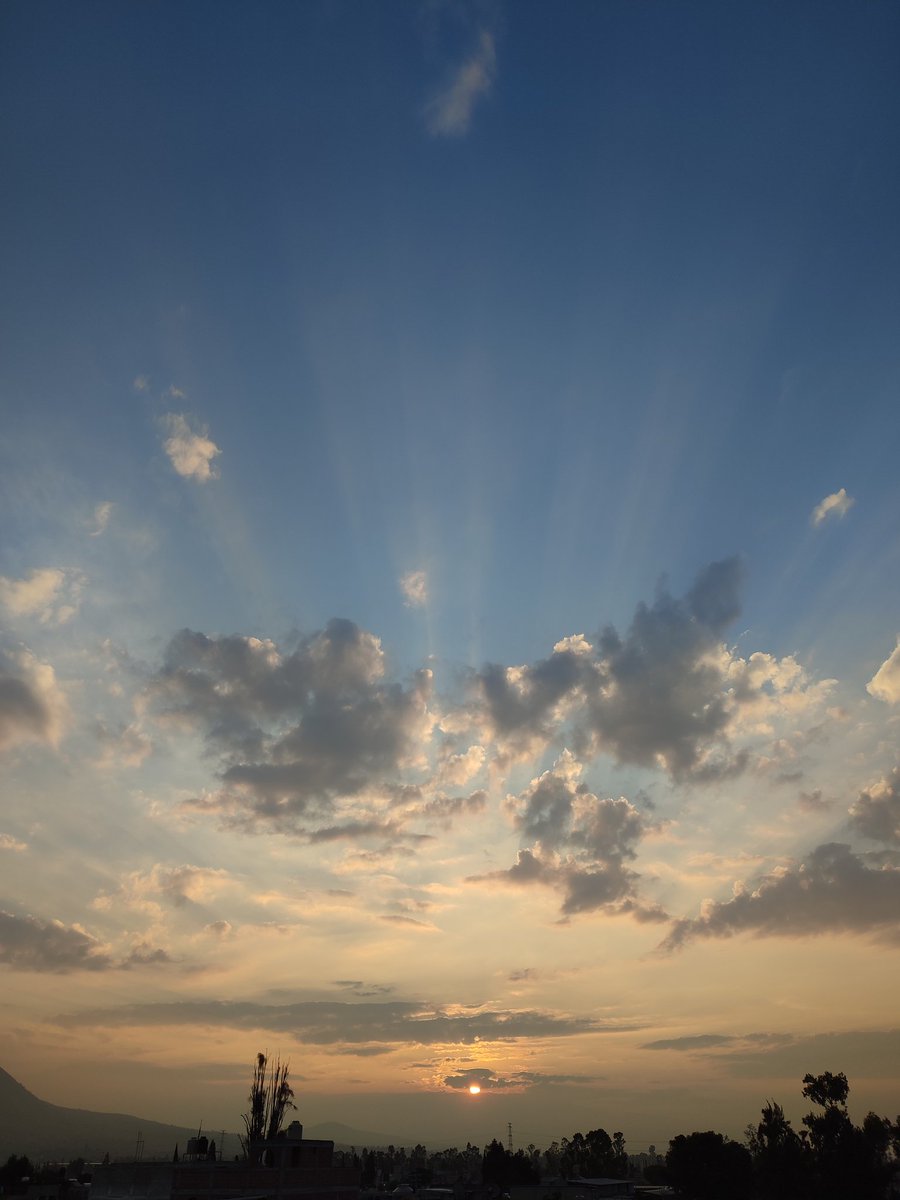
449, 573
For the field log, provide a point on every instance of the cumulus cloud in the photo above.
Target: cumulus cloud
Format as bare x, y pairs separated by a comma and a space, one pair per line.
837, 505
580, 844
30, 944
32, 705
8, 842
49, 594
668, 694
833, 890
331, 1022
449, 112
414, 586
297, 730
191, 451
885, 683
876, 813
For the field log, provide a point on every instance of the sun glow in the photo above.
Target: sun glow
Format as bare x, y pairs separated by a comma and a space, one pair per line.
474, 1089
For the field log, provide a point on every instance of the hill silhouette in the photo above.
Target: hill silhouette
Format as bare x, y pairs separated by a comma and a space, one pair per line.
45, 1131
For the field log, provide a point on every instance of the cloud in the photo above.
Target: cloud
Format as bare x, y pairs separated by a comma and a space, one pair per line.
414, 586
834, 506
29, 944
297, 731
702, 1041
102, 513
124, 745
331, 1022
449, 113
579, 843
8, 842
832, 891
885, 683
32, 705
191, 452
141, 383
178, 886
668, 694
517, 1081
50, 594
876, 813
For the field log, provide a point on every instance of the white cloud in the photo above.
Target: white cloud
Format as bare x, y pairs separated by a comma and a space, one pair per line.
885, 683
449, 113
8, 842
414, 586
141, 383
102, 513
50, 594
835, 505
191, 451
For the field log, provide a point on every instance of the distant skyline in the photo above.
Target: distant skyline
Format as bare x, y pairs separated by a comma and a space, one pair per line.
449, 623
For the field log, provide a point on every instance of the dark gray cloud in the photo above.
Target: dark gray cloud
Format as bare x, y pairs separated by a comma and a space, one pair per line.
871, 1053
714, 1041
876, 813
329, 1022
32, 706
50, 947
295, 730
833, 890
358, 987
580, 844
700, 1041
657, 696
488, 1080
30, 944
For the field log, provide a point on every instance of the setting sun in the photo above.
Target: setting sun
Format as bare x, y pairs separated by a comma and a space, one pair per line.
474, 1089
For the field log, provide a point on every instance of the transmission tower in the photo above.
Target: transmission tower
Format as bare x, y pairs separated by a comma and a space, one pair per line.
509, 1136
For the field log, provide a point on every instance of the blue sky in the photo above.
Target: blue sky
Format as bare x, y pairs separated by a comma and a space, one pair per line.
477, 326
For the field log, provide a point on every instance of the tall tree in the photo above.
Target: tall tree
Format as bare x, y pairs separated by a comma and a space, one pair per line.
270, 1098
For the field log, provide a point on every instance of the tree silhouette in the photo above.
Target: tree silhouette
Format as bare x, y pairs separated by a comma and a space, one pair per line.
270, 1097
707, 1166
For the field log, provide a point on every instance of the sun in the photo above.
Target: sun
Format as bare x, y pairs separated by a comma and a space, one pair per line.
474, 1089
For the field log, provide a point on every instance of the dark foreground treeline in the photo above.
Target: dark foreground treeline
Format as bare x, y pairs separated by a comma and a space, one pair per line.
830, 1158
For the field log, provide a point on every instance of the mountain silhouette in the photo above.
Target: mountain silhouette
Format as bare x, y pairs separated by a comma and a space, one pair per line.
48, 1132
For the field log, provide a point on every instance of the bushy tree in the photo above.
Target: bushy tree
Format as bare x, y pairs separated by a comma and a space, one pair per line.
848, 1160
781, 1159
708, 1166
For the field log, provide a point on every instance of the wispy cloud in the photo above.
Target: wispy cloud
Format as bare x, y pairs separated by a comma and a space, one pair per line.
49, 594
414, 586
102, 513
449, 112
834, 506
191, 451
